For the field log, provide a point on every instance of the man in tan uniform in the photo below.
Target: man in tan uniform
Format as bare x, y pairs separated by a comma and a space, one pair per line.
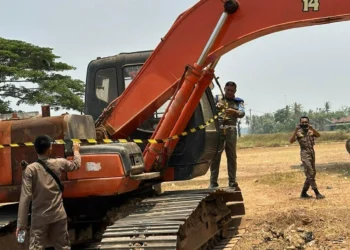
228, 134
48, 217
306, 134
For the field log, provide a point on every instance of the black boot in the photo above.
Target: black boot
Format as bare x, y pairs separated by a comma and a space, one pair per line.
213, 185
304, 195
318, 195
233, 185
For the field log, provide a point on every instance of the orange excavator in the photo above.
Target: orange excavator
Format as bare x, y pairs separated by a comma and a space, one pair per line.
148, 120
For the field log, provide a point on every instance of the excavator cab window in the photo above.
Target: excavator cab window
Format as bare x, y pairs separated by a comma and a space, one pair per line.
106, 84
108, 77
129, 73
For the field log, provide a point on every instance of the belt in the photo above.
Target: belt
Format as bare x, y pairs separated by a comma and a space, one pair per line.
227, 126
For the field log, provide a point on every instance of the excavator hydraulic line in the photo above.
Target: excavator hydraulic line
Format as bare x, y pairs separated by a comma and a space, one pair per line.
189, 108
164, 128
204, 82
230, 7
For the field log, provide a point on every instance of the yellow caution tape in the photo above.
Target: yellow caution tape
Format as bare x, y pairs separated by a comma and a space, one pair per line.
140, 141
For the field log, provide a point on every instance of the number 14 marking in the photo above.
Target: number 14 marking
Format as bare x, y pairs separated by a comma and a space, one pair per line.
314, 4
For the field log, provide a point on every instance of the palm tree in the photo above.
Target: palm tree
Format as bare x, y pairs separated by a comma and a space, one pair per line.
327, 106
297, 109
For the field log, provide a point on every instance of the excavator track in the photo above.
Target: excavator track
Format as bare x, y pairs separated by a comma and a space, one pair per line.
189, 219
8, 217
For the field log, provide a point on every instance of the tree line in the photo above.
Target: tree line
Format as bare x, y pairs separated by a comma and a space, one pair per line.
33, 75
286, 119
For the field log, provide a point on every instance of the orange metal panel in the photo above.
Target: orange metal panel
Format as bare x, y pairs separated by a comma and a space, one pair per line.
28, 154
5, 154
169, 174
80, 188
255, 19
127, 185
26, 131
9, 193
98, 166
92, 187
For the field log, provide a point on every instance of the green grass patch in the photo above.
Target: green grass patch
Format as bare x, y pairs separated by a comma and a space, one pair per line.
282, 139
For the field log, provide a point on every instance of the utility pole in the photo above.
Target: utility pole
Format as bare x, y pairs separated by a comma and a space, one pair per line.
250, 123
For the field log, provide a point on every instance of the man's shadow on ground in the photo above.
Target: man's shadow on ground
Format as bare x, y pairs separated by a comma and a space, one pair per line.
340, 168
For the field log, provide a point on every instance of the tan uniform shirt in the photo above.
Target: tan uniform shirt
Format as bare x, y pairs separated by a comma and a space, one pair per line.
238, 104
41, 189
306, 141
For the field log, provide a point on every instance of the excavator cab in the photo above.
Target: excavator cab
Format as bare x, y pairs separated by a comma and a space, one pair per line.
108, 77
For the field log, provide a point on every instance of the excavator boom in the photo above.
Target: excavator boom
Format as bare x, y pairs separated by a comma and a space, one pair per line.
188, 36
199, 42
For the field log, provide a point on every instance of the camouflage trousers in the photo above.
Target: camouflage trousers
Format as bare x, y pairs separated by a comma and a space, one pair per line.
54, 234
228, 141
308, 160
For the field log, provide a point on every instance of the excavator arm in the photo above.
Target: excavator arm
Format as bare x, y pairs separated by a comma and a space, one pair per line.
202, 34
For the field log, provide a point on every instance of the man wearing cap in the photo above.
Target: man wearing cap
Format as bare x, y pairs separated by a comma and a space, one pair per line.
234, 109
41, 186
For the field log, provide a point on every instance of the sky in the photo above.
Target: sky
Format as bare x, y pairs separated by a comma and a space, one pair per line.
305, 65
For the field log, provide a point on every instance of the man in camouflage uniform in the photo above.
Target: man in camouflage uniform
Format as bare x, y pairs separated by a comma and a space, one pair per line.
228, 134
306, 134
48, 217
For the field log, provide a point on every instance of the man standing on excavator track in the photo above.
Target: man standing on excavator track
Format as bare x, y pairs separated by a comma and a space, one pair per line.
42, 187
234, 109
306, 134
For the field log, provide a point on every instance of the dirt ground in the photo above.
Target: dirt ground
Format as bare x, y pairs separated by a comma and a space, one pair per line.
276, 218
271, 180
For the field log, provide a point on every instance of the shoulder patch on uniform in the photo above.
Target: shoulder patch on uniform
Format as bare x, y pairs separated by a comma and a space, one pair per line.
238, 99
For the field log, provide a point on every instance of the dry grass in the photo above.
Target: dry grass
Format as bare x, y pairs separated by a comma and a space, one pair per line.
282, 179
278, 205
271, 180
282, 139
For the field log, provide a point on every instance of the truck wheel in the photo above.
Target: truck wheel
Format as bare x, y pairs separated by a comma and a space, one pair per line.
348, 145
